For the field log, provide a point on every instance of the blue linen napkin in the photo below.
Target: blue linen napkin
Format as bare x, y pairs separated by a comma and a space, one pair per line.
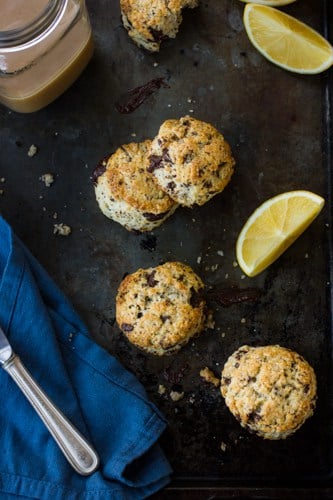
102, 399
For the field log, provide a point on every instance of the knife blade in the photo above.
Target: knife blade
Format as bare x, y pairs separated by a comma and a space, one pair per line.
79, 453
5, 348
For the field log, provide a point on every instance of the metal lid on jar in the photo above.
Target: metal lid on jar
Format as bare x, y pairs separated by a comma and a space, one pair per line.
22, 20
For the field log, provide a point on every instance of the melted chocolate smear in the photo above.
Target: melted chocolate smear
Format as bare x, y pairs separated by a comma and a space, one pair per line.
99, 169
174, 376
228, 296
138, 95
158, 35
149, 243
126, 327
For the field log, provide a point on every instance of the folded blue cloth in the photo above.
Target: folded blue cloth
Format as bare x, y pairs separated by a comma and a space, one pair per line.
103, 400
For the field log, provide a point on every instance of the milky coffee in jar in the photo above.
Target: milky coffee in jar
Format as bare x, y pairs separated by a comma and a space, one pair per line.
44, 46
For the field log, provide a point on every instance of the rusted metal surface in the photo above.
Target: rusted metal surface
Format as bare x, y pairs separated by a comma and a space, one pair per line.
274, 122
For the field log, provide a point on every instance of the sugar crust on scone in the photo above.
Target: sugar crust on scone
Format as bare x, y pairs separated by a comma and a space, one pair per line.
191, 160
271, 390
160, 308
128, 194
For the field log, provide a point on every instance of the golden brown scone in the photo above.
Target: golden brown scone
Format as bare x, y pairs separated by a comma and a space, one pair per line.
191, 160
127, 193
271, 390
149, 22
159, 309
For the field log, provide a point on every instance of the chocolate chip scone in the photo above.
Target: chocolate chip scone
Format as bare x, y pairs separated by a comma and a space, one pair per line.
149, 22
191, 160
159, 309
271, 390
127, 193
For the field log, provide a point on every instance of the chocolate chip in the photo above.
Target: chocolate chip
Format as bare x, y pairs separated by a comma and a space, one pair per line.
164, 318
99, 169
306, 388
240, 353
150, 279
125, 327
254, 417
155, 162
196, 297
158, 35
152, 217
171, 186
226, 380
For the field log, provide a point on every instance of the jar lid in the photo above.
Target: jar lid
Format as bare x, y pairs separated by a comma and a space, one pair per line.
22, 20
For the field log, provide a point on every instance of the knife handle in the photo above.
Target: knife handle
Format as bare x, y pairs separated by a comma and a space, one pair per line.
74, 446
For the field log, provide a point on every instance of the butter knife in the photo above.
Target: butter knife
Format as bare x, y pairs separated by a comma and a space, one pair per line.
74, 446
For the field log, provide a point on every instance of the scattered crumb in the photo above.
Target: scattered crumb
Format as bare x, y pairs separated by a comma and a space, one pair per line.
169, 105
242, 277
32, 150
176, 396
223, 446
243, 320
3, 179
191, 400
61, 229
1, 191
306, 256
161, 389
48, 179
226, 276
220, 253
191, 110
155, 64
235, 264
223, 335
133, 134
55, 215
209, 376
214, 267
210, 323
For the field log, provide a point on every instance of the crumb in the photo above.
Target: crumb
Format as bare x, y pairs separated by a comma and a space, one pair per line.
243, 320
161, 389
220, 253
169, 105
242, 277
55, 215
223, 446
199, 259
3, 179
176, 396
210, 323
191, 110
48, 179
306, 256
191, 400
223, 335
226, 276
155, 64
235, 264
1, 192
209, 376
214, 267
61, 229
32, 151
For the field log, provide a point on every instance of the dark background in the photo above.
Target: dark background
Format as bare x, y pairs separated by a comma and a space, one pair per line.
278, 125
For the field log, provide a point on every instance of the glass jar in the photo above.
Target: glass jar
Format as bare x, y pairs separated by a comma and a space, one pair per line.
44, 46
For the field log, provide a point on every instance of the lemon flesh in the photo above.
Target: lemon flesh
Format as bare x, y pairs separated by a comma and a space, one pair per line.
285, 41
273, 227
272, 3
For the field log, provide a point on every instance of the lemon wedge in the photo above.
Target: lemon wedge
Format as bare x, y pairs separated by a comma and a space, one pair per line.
272, 3
273, 227
285, 41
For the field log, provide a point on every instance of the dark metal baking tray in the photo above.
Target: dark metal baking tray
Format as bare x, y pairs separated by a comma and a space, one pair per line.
278, 124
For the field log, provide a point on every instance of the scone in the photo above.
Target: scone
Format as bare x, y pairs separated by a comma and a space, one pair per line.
149, 22
159, 309
127, 193
191, 160
271, 390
